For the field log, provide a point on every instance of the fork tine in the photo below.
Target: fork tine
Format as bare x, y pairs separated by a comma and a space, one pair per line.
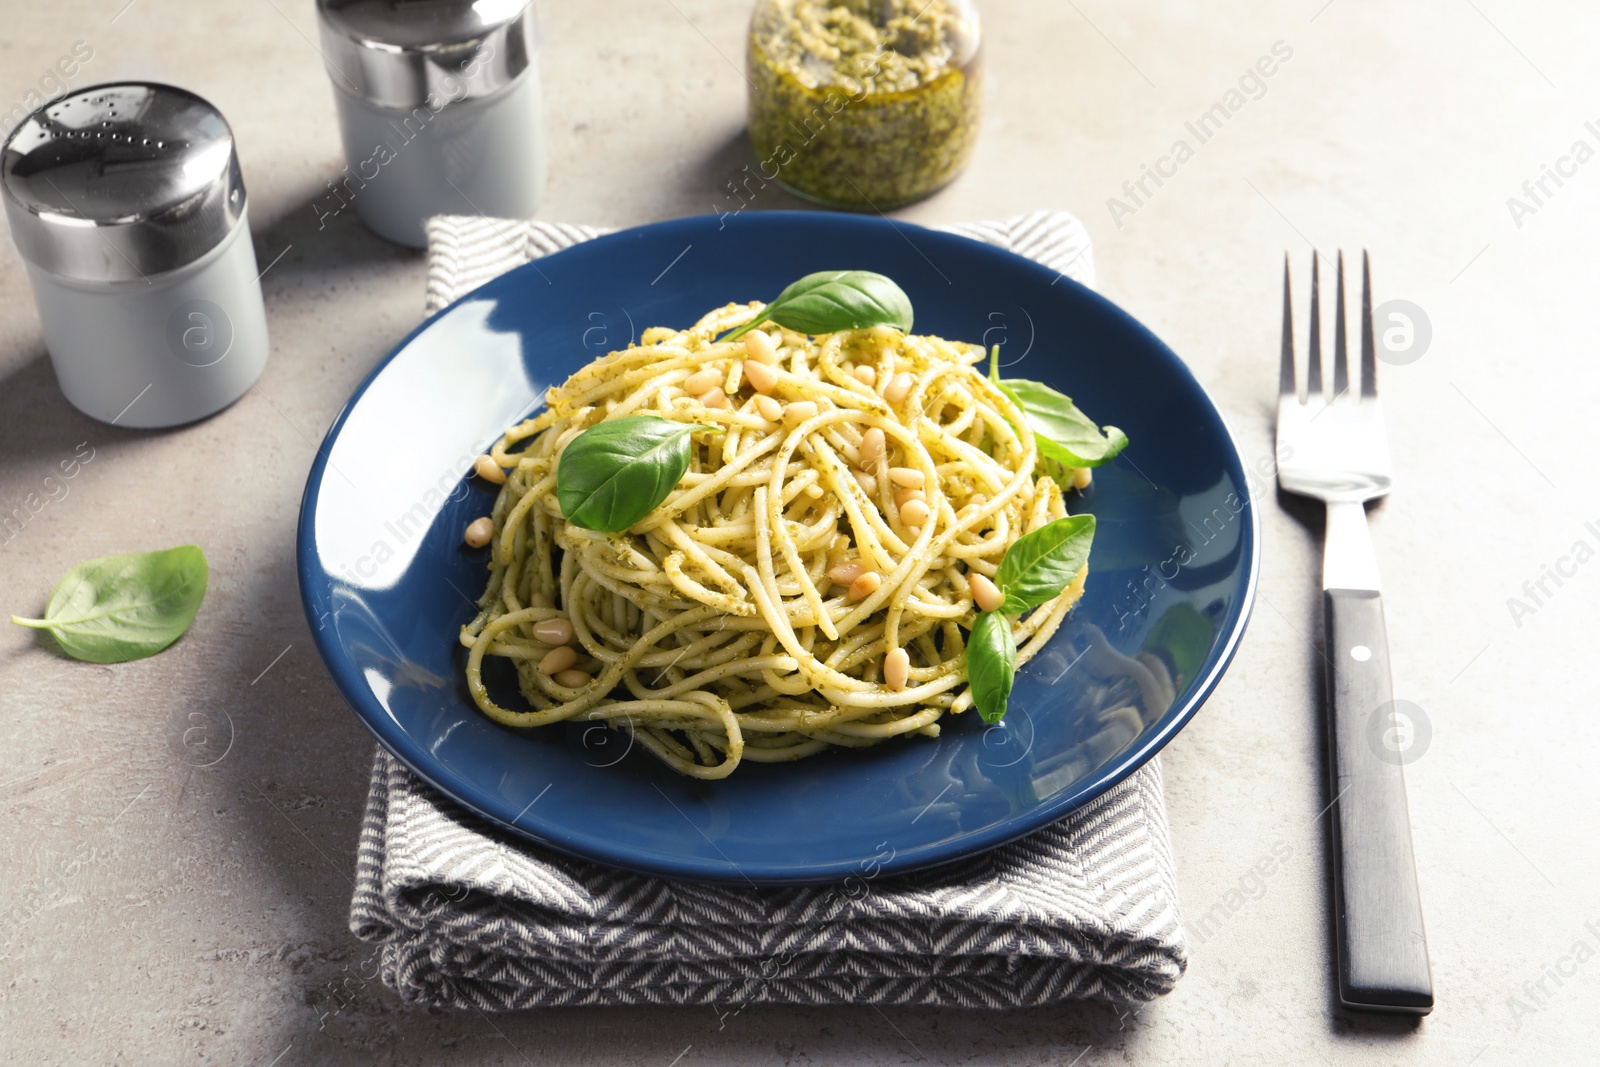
1286, 364
1341, 354
1369, 361
1314, 371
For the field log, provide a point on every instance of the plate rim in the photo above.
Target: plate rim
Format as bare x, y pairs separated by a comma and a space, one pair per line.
398, 743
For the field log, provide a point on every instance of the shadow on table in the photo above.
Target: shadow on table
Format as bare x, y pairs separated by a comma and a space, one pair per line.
1367, 1027
1063, 1034
730, 179
317, 234
36, 421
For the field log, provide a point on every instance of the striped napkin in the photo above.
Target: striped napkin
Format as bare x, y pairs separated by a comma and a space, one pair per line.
469, 916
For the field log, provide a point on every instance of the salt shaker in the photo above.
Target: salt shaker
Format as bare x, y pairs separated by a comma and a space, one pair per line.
439, 109
128, 207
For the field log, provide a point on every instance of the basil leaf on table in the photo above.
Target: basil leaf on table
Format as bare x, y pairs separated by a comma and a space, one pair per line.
834, 300
125, 607
616, 472
1062, 432
1039, 565
991, 664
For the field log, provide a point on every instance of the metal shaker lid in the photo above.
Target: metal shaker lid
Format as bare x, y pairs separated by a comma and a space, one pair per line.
120, 182
407, 53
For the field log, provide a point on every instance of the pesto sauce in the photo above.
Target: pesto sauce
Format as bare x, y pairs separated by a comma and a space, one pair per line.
864, 104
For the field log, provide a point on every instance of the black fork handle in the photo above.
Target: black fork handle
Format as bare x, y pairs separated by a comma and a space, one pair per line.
1383, 950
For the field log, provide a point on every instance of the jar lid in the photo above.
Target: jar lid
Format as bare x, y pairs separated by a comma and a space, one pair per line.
121, 181
406, 53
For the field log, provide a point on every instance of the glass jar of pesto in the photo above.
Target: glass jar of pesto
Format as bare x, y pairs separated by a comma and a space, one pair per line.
864, 104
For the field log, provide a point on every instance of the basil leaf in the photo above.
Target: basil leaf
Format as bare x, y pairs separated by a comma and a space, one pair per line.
1061, 431
1039, 565
616, 472
834, 300
1064, 433
118, 608
991, 664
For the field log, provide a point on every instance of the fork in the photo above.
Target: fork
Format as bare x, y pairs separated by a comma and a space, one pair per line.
1334, 448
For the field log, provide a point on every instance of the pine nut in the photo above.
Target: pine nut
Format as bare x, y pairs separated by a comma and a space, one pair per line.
798, 412
897, 669
770, 409
479, 532
914, 513
553, 632
558, 659
902, 497
985, 594
702, 380
867, 482
864, 586
760, 347
872, 446
486, 468
714, 398
1081, 478
865, 374
762, 378
909, 477
845, 574
898, 389
572, 678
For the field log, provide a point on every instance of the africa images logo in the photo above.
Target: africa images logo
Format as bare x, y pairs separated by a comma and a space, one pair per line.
199, 333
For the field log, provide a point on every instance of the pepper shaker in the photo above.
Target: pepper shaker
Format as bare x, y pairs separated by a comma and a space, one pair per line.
128, 206
439, 110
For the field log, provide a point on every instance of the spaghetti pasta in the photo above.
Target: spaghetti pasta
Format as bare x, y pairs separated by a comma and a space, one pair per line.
833, 521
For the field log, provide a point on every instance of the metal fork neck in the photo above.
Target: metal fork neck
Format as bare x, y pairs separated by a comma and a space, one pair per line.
1348, 561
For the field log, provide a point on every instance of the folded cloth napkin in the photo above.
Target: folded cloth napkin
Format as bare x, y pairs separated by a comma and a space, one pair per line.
469, 916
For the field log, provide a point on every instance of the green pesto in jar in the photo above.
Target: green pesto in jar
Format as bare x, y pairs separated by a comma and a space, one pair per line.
864, 104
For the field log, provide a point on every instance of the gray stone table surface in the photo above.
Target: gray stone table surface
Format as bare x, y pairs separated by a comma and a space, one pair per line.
159, 912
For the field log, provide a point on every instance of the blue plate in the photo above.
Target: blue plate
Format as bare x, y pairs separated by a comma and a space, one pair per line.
387, 583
